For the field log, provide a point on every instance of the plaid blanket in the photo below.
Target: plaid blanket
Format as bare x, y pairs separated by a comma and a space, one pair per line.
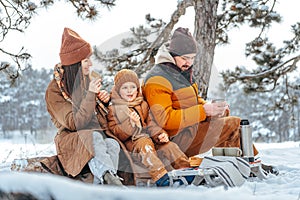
233, 171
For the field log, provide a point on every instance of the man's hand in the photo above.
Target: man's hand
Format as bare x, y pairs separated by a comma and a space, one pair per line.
216, 109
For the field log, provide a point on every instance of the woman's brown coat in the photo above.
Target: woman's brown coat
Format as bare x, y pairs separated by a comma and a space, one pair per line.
75, 124
75, 127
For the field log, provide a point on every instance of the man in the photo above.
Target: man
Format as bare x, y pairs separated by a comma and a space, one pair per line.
172, 94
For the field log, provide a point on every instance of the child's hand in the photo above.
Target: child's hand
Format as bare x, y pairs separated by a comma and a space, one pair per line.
104, 96
163, 137
134, 118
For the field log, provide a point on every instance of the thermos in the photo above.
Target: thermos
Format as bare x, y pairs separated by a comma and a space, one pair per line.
246, 140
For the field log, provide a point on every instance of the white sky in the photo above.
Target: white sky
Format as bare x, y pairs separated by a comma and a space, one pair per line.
43, 37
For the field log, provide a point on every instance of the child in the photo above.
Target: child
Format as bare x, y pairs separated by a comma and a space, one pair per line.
129, 119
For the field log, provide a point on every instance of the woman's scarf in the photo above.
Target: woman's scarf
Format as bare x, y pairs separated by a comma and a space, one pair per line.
58, 73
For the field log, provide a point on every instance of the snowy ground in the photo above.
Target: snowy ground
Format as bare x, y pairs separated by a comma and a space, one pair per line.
286, 156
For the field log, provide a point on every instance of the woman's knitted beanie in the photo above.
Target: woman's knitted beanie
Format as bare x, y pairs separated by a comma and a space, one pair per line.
73, 48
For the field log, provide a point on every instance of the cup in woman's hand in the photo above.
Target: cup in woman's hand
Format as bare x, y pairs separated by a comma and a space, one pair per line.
94, 75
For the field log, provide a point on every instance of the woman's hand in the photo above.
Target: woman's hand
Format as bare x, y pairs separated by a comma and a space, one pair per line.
95, 85
163, 137
104, 96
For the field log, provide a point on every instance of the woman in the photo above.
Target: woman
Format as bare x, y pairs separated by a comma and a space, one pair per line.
76, 105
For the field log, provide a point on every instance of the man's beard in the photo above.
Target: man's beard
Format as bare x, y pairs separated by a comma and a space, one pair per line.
185, 67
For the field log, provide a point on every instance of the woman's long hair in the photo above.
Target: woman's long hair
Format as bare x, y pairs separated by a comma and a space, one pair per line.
72, 77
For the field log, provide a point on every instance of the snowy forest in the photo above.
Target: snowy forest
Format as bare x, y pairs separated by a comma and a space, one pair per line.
22, 104
23, 109
266, 94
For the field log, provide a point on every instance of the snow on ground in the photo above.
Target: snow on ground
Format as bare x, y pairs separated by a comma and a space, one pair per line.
44, 186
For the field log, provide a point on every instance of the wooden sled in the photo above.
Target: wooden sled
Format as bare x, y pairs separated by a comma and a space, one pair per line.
202, 176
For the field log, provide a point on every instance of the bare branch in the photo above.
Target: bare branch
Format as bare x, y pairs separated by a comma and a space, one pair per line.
272, 70
16, 15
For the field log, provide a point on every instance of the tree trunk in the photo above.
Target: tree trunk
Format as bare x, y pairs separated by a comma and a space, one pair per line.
298, 138
205, 35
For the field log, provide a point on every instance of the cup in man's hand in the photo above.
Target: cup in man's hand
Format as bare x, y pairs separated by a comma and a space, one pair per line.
218, 101
221, 103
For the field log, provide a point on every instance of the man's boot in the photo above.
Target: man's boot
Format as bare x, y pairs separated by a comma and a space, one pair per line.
269, 169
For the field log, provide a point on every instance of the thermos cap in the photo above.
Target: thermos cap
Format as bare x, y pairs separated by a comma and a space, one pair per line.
244, 122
